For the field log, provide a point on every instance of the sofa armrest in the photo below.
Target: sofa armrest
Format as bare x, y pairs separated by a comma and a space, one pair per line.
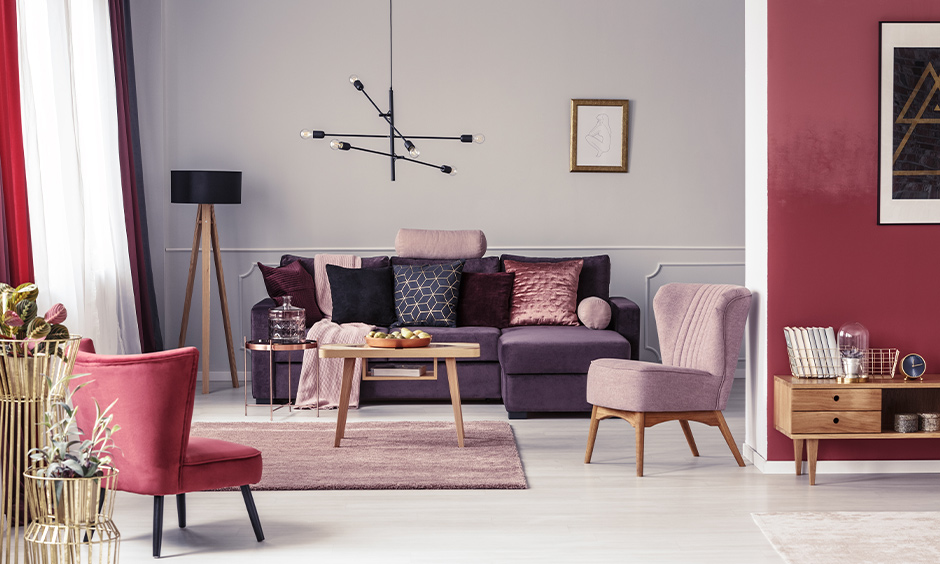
259, 319
625, 319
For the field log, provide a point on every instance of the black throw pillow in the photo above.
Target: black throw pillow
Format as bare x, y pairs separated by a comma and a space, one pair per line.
364, 295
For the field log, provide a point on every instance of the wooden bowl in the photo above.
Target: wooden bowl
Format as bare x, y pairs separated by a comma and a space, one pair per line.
398, 343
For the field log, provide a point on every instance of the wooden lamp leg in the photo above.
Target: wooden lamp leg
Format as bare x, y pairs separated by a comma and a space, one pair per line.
206, 272
220, 278
191, 279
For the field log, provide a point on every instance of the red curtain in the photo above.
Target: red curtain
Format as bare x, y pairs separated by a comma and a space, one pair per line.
17, 249
135, 216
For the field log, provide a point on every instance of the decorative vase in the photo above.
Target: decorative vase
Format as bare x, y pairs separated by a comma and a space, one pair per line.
24, 367
853, 346
286, 323
72, 518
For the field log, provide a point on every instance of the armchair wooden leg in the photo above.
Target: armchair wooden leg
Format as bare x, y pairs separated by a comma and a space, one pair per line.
592, 435
157, 524
252, 513
640, 426
181, 509
688, 436
726, 433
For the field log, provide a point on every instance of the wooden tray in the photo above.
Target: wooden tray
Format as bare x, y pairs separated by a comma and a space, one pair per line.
398, 343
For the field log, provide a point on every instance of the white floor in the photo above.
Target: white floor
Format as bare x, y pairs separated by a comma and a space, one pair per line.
684, 510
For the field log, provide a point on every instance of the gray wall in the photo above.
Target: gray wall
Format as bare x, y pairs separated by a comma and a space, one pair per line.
228, 84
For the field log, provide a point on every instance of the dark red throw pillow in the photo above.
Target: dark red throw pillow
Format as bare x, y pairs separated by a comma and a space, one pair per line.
485, 299
293, 280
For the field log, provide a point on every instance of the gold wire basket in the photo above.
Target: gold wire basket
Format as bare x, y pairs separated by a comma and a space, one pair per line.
827, 363
72, 519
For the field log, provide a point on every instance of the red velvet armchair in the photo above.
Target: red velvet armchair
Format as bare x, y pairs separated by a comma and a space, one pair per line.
156, 455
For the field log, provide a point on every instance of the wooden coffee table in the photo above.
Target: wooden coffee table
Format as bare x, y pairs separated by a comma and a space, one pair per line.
450, 352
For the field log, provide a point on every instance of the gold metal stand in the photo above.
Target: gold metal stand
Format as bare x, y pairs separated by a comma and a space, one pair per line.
24, 367
206, 230
272, 347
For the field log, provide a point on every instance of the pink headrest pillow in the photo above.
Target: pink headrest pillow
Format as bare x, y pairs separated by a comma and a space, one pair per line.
440, 244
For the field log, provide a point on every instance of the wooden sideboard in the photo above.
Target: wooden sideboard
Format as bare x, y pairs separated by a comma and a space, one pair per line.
810, 409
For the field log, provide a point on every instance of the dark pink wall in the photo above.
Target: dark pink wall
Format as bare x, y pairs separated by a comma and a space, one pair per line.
829, 260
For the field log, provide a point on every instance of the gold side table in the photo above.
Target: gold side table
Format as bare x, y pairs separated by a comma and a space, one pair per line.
271, 348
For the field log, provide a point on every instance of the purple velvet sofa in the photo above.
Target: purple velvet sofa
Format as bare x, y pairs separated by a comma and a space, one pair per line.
530, 368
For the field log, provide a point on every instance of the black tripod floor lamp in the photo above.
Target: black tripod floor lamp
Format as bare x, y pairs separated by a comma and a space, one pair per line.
207, 188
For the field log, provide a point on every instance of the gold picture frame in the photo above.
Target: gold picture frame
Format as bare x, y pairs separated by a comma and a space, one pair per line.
602, 127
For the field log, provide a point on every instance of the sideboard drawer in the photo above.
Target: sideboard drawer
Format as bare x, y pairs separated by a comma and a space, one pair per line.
836, 399
836, 422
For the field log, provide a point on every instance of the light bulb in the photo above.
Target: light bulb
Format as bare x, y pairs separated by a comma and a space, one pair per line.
479, 138
412, 150
447, 169
336, 144
306, 134
353, 78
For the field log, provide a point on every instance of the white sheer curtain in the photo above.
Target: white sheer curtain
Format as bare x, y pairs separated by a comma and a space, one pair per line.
73, 171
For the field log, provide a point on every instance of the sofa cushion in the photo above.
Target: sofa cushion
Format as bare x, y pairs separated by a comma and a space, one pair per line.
595, 274
307, 262
486, 337
485, 264
557, 350
362, 295
427, 295
594, 312
485, 299
437, 243
544, 293
292, 280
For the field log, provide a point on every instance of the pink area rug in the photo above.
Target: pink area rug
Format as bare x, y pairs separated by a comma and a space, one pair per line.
397, 455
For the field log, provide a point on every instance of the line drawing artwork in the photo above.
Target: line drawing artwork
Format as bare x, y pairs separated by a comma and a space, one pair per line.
599, 136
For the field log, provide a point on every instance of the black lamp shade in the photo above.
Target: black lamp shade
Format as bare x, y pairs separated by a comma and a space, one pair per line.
205, 187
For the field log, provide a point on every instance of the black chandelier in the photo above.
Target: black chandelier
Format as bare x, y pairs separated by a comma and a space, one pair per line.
393, 132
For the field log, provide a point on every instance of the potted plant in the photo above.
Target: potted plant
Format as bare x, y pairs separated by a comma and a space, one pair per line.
33, 350
67, 488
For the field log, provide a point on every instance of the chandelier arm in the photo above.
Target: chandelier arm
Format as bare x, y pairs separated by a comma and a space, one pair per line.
398, 157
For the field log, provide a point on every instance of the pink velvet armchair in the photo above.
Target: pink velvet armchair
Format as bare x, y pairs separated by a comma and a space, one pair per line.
156, 456
700, 329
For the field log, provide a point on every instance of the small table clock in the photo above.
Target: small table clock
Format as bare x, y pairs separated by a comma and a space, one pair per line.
913, 366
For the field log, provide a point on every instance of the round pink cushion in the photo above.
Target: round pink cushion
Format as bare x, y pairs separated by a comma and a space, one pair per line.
594, 312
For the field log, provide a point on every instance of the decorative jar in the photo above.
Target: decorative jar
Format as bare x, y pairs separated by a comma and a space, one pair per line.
930, 422
286, 323
905, 422
853, 345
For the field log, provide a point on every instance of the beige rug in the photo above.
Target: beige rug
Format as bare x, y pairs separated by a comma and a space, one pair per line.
378, 455
851, 537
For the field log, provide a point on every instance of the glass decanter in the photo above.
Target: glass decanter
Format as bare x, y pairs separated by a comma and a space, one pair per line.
286, 323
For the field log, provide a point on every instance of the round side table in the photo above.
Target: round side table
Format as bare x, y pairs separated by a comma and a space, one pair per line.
272, 347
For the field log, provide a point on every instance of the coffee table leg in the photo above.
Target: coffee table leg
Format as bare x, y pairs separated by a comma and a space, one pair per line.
349, 365
451, 364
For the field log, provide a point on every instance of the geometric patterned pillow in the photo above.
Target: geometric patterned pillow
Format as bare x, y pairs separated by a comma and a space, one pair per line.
426, 295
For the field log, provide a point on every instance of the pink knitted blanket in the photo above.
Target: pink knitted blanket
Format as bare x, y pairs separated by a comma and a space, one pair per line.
330, 377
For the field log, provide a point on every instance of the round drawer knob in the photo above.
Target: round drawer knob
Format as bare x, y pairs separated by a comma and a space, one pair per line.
835, 398
835, 419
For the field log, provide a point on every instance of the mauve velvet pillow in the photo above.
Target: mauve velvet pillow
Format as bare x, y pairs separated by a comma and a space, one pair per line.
485, 299
293, 280
595, 273
364, 295
544, 293
307, 262
594, 312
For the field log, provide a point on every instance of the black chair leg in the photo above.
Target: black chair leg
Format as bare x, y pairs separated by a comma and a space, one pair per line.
157, 524
181, 509
252, 513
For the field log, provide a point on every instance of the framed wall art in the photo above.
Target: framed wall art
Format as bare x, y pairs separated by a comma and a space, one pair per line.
599, 135
909, 123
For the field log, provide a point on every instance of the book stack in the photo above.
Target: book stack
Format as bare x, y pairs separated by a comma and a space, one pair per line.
398, 370
813, 352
